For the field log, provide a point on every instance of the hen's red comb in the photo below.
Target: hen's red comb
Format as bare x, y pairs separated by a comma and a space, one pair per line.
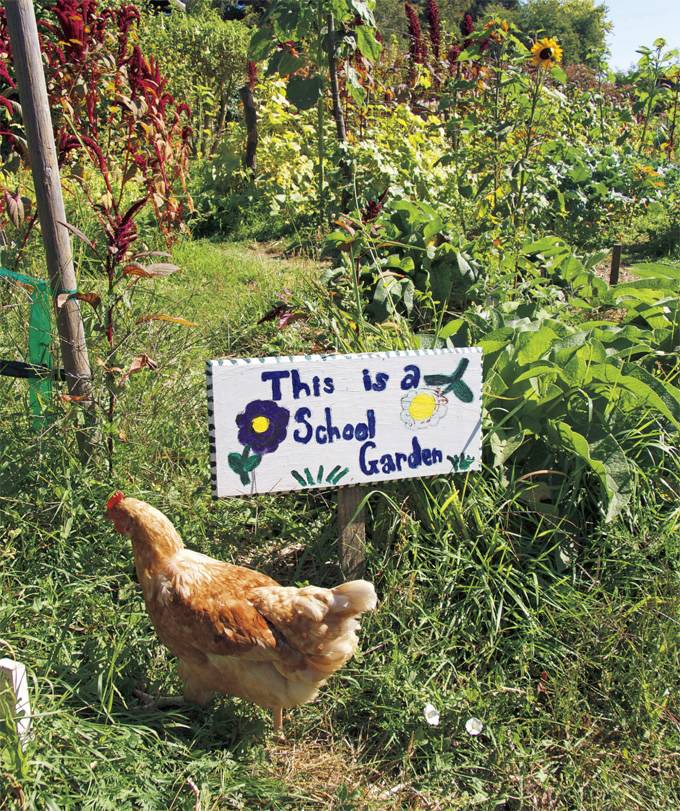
115, 499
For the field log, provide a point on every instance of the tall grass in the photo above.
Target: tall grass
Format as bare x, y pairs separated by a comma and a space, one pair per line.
561, 637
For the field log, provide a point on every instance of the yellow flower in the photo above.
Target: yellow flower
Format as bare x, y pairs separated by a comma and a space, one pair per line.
545, 53
498, 29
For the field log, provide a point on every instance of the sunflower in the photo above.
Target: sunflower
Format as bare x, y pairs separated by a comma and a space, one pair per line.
545, 53
498, 28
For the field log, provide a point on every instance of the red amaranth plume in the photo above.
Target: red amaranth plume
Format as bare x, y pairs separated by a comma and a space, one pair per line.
252, 74
416, 46
453, 54
373, 208
434, 26
467, 26
80, 23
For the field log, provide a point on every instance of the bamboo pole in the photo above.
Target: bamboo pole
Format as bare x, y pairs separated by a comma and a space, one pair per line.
23, 34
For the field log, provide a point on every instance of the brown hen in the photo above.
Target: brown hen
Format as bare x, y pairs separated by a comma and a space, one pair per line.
236, 631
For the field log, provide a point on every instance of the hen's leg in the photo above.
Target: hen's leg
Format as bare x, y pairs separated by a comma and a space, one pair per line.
278, 724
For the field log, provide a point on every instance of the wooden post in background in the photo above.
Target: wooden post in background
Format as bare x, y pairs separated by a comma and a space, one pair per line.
42, 152
616, 264
352, 531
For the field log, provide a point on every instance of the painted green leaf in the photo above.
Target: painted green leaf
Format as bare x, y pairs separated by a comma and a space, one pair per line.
252, 462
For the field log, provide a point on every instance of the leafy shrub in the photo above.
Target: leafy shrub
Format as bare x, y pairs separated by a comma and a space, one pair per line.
406, 261
123, 147
206, 68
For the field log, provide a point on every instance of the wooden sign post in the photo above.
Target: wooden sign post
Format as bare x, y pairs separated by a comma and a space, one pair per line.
319, 421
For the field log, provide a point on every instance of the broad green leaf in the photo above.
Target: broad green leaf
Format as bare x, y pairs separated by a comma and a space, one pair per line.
606, 458
558, 74
655, 269
503, 446
261, 45
537, 370
579, 174
647, 389
353, 84
535, 345
664, 395
451, 328
618, 474
498, 339
432, 228
289, 20
304, 92
547, 245
289, 64
367, 44
574, 371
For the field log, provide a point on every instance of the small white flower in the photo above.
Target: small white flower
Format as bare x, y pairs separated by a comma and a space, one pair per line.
431, 715
474, 726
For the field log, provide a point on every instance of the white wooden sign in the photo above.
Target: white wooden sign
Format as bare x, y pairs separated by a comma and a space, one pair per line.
289, 423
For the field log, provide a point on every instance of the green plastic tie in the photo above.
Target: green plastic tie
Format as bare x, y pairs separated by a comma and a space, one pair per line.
39, 343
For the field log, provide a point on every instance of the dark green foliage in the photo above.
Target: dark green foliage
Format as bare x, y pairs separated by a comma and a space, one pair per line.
580, 26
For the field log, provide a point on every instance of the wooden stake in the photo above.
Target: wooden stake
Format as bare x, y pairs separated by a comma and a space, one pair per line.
616, 264
23, 34
352, 531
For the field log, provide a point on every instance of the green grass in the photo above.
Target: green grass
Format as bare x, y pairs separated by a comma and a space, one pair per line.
562, 639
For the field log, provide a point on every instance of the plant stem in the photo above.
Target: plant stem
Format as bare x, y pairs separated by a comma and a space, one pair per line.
652, 95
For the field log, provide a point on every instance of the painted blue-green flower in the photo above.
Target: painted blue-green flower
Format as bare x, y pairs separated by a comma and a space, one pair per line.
262, 428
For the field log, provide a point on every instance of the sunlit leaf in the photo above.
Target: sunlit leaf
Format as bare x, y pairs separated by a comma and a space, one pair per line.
140, 362
89, 298
15, 207
78, 233
171, 318
157, 270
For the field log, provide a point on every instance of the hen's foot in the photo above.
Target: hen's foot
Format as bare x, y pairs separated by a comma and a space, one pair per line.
158, 702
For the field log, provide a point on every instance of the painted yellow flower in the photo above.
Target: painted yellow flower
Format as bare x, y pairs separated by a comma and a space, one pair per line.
422, 407
545, 53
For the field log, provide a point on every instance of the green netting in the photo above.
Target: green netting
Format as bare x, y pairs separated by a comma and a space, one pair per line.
39, 343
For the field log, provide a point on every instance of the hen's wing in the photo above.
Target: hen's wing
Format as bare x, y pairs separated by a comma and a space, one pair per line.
203, 605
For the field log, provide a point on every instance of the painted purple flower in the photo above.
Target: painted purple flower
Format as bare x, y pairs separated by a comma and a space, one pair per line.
262, 426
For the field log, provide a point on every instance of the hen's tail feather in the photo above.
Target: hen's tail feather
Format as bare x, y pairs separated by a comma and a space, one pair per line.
359, 596
319, 623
